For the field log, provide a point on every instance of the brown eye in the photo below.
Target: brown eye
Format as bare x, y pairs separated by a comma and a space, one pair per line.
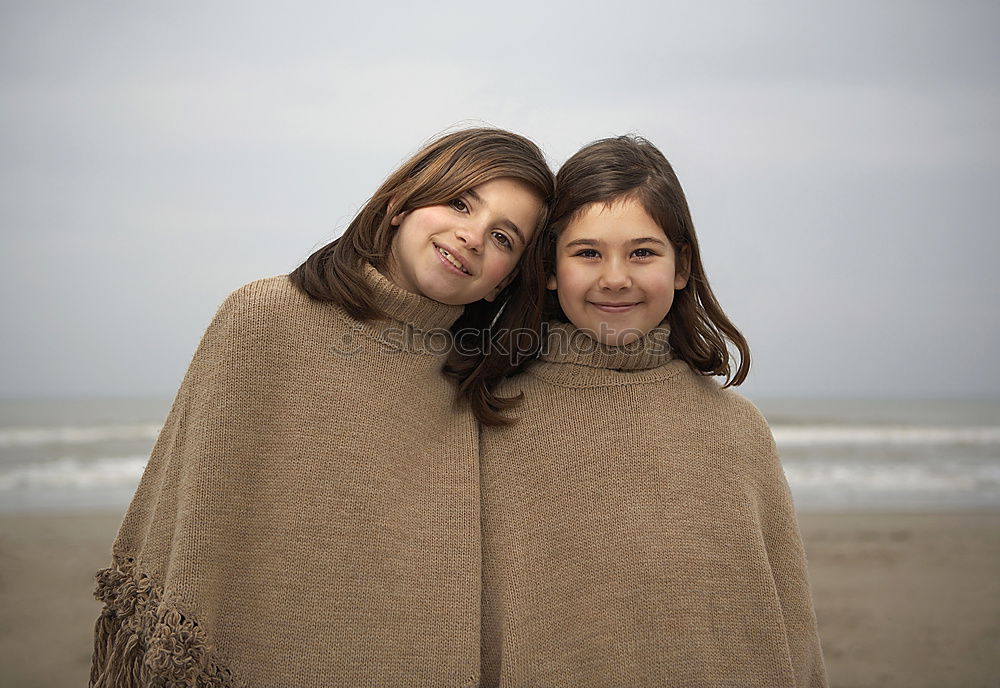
502, 239
459, 205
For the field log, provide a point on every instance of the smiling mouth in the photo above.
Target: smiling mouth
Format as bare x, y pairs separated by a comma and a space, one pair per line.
615, 307
451, 259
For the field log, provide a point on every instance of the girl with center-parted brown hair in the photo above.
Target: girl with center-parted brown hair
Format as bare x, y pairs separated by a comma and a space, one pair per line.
309, 515
637, 526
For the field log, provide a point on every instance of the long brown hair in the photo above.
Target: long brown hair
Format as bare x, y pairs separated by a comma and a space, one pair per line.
441, 171
630, 167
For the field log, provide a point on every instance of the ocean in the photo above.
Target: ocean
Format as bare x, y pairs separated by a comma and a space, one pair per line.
88, 455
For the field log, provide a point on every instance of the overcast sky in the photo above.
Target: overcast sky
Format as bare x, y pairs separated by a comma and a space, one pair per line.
842, 165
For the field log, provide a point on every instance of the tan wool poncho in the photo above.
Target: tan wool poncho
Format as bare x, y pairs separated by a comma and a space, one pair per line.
638, 531
310, 513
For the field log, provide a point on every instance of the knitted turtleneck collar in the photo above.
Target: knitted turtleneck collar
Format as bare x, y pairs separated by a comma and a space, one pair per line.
412, 309
567, 344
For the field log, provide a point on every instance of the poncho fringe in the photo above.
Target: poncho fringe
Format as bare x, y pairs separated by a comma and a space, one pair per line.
141, 641
280, 536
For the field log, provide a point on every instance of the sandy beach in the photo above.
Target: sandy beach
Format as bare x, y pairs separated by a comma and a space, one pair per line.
903, 599
907, 599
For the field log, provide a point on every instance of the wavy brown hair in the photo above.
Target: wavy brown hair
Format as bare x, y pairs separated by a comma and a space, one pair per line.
630, 167
441, 171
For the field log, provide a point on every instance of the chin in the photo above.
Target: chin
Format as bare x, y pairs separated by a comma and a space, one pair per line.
610, 334
430, 289
452, 301
447, 299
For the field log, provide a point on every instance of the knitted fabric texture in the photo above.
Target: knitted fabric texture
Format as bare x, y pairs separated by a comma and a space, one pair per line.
310, 512
638, 531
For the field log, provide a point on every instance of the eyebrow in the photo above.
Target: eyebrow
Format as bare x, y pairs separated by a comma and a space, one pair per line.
508, 224
632, 242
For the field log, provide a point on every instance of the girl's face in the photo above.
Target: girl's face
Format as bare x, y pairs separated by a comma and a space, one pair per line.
465, 250
615, 272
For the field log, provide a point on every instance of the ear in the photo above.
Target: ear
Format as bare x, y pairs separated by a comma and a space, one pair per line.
682, 269
395, 220
551, 283
500, 287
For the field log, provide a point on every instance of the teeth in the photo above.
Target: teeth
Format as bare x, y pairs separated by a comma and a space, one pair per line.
452, 260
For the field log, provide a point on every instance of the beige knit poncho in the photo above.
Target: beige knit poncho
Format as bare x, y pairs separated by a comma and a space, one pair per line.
638, 531
310, 513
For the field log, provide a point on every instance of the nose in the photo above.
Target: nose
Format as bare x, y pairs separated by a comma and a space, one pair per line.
614, 276
471, 236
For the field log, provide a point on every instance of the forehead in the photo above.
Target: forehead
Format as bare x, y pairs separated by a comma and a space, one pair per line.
618, 221
513, 200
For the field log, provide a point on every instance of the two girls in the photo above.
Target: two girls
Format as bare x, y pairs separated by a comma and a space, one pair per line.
317, 511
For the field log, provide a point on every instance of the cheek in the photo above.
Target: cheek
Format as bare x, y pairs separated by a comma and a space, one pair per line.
572, 289
399, 246
659, 285
572, 283
563, 274
499, 266
661, 295
406, 234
